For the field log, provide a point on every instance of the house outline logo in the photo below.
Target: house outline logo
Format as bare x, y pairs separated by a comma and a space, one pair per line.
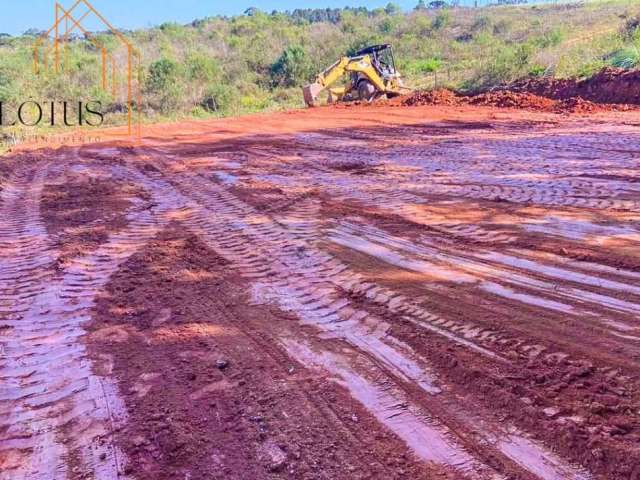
51, 56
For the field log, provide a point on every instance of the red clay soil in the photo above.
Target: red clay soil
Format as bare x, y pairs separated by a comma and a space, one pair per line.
211, 394
611, 85
442, 291
610, 90
510, 99
513, 100
433, 97
81, 212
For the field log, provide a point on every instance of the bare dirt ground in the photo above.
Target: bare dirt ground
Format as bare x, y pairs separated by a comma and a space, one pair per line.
366, 292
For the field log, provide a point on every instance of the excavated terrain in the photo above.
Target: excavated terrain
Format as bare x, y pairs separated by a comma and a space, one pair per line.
369, 292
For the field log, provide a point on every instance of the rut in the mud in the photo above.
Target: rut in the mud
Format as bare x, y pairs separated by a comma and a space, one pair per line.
455, 297
207, 384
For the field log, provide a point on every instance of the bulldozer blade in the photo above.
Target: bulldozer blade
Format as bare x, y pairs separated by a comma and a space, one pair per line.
310, 93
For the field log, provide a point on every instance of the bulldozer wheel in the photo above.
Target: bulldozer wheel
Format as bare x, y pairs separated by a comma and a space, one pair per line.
366, 91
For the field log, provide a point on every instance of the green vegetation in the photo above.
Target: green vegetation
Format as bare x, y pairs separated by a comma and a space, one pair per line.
293, 68
228, 66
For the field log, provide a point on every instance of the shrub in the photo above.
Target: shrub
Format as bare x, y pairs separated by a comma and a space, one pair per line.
387, 25
219, 99
501, 27
200, 67
428, 65
442, 20
552, 38
506, 65
6, 87
537, 71
165, 84
162, 74
631, 29
173, 29
626, 58
293, 68
481, 23
589, 69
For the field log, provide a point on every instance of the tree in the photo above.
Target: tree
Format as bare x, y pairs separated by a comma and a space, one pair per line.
442, 20
293, 68
392, 9
251, 11
33, 32
420, 5
162, 73
166, 85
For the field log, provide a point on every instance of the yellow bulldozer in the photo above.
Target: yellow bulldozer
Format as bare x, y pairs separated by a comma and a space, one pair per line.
372, 74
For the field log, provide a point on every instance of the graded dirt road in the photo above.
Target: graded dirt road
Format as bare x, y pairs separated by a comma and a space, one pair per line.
339, 293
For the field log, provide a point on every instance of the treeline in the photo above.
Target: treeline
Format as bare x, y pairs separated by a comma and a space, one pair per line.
258, 61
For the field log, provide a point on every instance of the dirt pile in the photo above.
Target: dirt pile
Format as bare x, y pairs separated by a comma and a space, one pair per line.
512, 99
611, 85
433, 97
500, 99
579, 105
612, 89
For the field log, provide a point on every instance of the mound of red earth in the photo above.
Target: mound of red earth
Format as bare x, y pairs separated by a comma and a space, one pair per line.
580, 105
611, 85
511, 99
611, 89
433, 97
500, 99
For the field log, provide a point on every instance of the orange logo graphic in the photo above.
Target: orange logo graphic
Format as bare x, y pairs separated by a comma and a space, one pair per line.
121, 66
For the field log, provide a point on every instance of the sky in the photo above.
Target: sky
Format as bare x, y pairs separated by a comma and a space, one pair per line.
20, 15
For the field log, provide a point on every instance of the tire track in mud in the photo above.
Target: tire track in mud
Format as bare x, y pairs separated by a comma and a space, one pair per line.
544, 188
260, 411
399, 202
291, 273
608, 301
56, 416
60, 425
612, 307
485, 267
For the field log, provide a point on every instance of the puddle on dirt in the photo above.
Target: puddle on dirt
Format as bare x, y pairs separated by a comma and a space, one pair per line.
578, 264
482, 267
537, 460
437, 273
536, 301
441, 273
558, 273
367, 333
227, 178
427, 439
575, 229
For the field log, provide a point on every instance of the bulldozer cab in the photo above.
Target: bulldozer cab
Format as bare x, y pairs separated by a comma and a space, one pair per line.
381, 58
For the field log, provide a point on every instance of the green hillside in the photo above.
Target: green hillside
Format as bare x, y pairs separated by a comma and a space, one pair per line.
229, 66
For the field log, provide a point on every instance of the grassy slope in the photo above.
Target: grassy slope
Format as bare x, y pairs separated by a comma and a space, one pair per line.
230, 60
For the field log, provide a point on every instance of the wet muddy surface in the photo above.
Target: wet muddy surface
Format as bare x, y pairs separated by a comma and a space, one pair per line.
356, 292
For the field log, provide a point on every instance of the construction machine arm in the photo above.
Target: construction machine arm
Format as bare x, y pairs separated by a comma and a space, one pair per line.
329, 76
